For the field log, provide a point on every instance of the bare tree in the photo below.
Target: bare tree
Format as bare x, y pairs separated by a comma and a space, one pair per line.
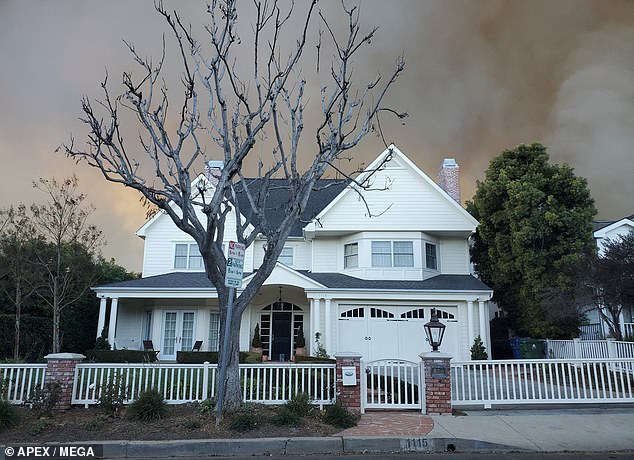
19, 271
232, 111
63, 223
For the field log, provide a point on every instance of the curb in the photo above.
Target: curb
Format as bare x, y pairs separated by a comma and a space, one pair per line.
334, 445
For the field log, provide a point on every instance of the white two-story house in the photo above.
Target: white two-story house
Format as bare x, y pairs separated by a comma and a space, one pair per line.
604, 231
360, 283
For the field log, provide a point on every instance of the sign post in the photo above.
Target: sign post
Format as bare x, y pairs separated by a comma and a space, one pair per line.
233, 279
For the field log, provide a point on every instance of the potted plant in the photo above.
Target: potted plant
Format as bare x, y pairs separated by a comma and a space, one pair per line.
300, 342
256, 342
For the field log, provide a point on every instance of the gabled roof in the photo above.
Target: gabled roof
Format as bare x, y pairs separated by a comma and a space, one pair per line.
602, 227
396, 153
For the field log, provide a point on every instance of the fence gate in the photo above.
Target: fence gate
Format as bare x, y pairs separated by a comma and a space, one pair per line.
391, 384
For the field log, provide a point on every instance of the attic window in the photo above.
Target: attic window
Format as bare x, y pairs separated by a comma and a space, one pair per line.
187, 256
287, 256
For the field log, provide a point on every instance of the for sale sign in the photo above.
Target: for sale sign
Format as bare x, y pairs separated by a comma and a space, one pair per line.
235, 264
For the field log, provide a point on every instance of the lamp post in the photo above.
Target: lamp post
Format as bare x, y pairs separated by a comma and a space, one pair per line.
435, 331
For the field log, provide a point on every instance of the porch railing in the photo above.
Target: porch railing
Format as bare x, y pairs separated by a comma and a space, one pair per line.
181, 383
628, 330
18, 381
542, 382
592, 331
589, 349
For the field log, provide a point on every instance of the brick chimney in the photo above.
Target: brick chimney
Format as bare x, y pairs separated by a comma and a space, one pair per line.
213, 171
449, 178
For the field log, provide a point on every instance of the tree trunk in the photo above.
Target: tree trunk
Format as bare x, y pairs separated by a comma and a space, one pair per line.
56, 314
18, 312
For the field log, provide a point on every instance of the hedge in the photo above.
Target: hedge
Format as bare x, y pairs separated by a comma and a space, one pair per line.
199, 357
313, 359
121, 356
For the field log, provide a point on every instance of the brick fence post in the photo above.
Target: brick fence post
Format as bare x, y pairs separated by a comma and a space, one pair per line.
437, 373
347, 394
60, 367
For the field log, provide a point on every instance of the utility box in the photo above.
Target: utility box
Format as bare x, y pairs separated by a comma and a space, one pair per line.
349, 374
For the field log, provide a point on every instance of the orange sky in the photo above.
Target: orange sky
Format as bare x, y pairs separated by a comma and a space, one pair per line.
480, 77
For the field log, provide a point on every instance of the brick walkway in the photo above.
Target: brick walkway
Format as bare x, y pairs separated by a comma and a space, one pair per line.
391, 424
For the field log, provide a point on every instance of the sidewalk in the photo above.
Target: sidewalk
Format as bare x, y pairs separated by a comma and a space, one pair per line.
547, 430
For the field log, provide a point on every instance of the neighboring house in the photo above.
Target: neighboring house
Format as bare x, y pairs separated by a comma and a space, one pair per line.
363, 284
604, 231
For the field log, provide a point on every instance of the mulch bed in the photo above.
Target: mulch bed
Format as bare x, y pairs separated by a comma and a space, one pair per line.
182, 422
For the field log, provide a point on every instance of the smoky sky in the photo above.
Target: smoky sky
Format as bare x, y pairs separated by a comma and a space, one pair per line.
479, 77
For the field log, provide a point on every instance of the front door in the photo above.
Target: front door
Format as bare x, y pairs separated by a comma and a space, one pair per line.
178, 333
281, 346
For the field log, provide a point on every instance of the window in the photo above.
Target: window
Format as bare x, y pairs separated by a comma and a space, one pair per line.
431, 259
214, 331
187, 256
379, 313
286, 256
381, 254
392, 254
351, 255
353, 313
403, 254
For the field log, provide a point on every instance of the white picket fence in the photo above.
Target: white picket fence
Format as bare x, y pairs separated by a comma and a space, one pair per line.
18, 381
588, 349
542, 382
271, 383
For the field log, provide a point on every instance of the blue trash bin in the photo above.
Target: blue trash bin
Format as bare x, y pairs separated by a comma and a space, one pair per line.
515, 347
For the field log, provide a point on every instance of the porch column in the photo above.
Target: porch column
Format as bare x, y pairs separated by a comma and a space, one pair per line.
114, 307
483, 327
326, 333
314, 321
103, 304
470, 322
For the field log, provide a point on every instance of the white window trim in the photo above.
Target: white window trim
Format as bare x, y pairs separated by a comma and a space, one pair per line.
425, 243
392, 265
189, 246
292, 250
345, 256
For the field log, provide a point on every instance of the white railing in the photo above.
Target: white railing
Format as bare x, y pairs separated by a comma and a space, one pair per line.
628, 330
592, 331
588, 349
273, 383
18, 381
542, 382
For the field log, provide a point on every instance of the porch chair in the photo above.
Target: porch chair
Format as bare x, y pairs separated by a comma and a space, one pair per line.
197, 345
149, 346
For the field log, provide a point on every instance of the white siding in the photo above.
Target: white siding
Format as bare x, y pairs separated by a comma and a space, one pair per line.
613, 235
454, 256
325, 255
409, 203
162, 236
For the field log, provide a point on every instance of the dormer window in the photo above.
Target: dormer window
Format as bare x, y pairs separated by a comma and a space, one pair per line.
287, 256
431, 256
351, 255
392, 254
187, 257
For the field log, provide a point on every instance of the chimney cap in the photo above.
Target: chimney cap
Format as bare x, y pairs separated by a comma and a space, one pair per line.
449, 163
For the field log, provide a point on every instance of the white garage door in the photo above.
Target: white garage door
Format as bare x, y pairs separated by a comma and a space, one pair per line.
384, 332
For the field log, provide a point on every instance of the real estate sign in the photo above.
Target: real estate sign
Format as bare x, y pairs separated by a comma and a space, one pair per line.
235, 264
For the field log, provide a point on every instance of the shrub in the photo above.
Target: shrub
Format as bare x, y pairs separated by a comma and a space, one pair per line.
300, 405
247, 418
257, 341
314, 359
207, 407
96, 424
45, 399
8, 415
284, 416
149, 406
300, 341
478, 351
39, 426
199, 357
338, 416
102, 342
121, 356
192, 424
113, 395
